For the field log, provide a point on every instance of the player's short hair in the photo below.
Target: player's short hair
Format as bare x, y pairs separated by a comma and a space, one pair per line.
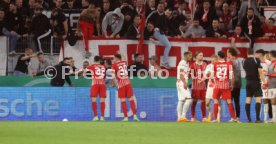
221, 54
197, 53
273, 53
272, 19
66, 58
214, 56
136, 55
260, 51
108, 62
233, 52
40, 53
97, 58
118, 56
187, 53
250, 51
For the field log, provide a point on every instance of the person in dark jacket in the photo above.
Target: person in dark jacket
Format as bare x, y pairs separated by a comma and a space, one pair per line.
137, 68
215, 31
205, 14
251, 26
58, 73
133, 30
160, 26
41, 27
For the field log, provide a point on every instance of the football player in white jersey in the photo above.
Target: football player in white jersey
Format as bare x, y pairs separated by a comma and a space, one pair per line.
184, 95
264, 63
210, 86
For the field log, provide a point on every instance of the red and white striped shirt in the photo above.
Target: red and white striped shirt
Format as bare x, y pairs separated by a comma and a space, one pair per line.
121, 73
223, 72
98, 73
197, 74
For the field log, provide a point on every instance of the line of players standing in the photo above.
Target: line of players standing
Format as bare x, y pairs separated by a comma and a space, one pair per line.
221, 80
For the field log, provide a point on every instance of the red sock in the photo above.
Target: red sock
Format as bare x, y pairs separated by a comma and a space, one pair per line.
124, 107
232, 111
102, 108
133, 107
94, 108
215, 111
203, 109
193, 109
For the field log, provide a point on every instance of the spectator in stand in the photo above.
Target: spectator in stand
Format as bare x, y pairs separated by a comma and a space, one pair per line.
218, 7
72, 65
133, 32
182, 30
272, 2
126, 7
31, 7
154, 68
205, 14
195, 30
226, 18
234, 12
137, 68
44, 4
172, 24
85, 4
87, 21
43, 63
127, 23
21, 9
238, 34
112, 23
108, 73
105, 9
23, 62
245, 6
251, 26
270, 29
139, 7
263, 21
58, 4
181, 13
70, 4
11, 26
59, 23
148, 32
83, 72
215, 31
160, 26
41, 27
2, 20
150, 7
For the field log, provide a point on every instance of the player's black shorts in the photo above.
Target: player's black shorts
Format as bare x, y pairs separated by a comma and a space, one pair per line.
253, 88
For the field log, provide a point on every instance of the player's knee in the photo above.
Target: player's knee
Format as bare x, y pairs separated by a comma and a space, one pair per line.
123, 99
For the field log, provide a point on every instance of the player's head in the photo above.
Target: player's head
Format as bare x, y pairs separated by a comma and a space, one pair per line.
188, 55
117, 57
214, 58
260, 53
271, 22
138, 58
272, 55
232, 53
221, 55
153, 60
97, 59
199, 56
107, 63
267, 55
85, 64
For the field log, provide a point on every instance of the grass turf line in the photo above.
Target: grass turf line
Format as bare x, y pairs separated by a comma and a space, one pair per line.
135, 133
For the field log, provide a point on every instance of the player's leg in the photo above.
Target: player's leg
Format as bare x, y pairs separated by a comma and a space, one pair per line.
94, 93
102, 101
236, 98
265, 110
209, 109
181, 100
272, 92
122, 97
226, 95
186, 107
258, 97
249, 95
193, 108
179, 109
133, 107
216, 109
203, 105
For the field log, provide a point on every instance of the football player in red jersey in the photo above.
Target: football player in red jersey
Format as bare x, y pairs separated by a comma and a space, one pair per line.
98, 87
124, 86
223, 73
198, 86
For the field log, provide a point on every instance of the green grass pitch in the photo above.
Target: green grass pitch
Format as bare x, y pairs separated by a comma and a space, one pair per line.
135, 133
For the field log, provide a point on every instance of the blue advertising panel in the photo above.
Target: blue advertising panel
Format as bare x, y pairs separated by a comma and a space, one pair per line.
74, 104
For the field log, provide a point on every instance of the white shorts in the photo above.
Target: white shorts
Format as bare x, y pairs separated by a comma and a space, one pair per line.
182, 93
210, 93
272, 93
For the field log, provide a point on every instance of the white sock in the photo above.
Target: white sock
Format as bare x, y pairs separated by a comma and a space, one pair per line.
186, 107
274, 112
179, 108
265, 112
